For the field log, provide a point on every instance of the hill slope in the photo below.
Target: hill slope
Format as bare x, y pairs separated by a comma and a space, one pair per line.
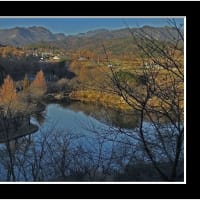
118, 41
22, 36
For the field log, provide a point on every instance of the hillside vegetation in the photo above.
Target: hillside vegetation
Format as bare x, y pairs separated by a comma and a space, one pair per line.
86, 61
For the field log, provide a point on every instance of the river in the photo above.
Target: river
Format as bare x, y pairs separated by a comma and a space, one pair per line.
75, 140
91, 124
72, 116
78, 141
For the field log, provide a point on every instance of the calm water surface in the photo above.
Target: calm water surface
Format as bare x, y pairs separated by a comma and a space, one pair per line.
95, 137
78, 117
93, 124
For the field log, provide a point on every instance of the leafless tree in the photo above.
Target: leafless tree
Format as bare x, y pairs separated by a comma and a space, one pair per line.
156, 92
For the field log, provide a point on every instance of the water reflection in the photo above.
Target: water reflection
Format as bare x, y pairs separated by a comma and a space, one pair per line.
80, 118
105, 115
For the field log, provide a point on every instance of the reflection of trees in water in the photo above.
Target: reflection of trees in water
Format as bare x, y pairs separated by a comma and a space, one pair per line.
65, 104
125, 120
106, 115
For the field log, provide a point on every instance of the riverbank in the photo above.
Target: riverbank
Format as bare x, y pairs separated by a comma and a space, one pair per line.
22, 131
102, 98
38, 108
57, 97
21, 125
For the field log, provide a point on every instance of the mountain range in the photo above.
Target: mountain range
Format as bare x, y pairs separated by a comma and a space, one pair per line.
20, 36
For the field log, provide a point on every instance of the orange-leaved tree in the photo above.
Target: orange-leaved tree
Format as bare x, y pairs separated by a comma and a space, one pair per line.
26, 83
8, 92
38, 86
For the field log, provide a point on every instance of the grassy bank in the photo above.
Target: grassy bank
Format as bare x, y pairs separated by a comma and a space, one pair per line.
107, 100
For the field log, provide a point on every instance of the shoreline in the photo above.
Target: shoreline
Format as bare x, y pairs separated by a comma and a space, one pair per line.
25, 129
97, 98
17, 134
59, 98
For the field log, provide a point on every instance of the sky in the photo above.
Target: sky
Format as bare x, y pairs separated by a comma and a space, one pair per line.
70, 26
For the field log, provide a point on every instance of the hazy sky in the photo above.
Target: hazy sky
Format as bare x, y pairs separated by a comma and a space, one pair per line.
78, 25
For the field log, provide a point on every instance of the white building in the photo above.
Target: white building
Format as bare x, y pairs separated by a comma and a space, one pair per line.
56, 58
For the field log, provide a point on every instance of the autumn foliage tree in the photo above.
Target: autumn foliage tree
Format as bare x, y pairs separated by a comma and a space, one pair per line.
38, 86
10, 101
7, 92
8, 98
26, 83
25, 95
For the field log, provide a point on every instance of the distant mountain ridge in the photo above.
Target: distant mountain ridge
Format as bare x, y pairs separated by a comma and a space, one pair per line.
118, 41
20, 36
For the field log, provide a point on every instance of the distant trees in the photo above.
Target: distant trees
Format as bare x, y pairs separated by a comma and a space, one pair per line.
9, 50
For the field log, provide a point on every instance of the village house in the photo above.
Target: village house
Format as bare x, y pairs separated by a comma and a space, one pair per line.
56, 58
